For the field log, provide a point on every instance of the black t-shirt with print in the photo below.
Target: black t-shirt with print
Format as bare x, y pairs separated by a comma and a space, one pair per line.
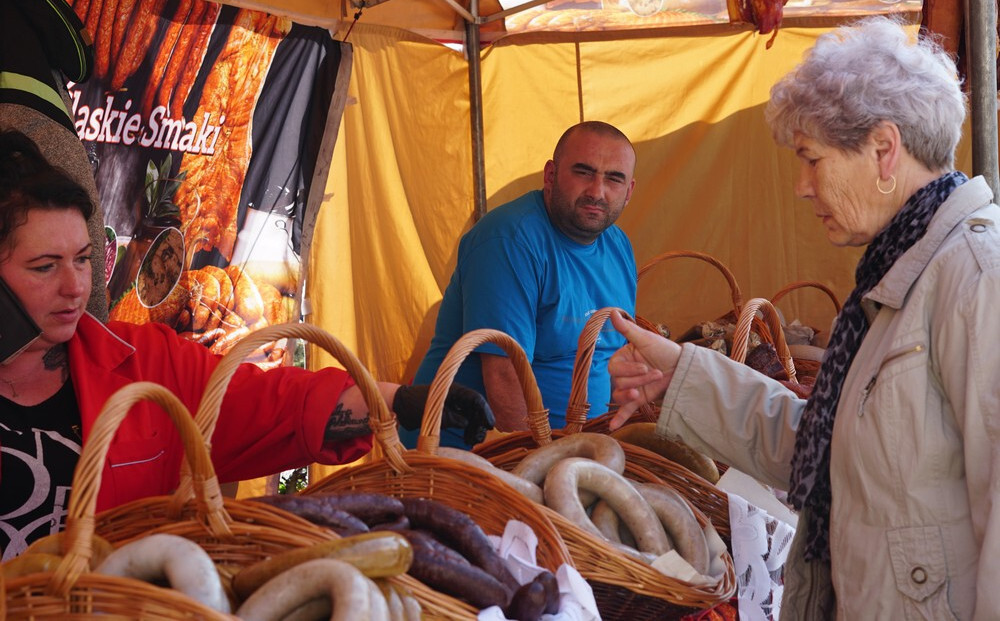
39, 449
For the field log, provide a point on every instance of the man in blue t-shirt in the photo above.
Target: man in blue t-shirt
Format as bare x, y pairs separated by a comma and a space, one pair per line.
536, 268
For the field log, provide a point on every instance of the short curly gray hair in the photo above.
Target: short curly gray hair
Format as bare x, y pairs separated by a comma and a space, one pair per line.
868, 72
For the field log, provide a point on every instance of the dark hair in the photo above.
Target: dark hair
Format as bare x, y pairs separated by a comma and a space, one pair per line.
28, 181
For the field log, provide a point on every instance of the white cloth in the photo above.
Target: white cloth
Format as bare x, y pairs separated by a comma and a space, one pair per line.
760, 545
517, 547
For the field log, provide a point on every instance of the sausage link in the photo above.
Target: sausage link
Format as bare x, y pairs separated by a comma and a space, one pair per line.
610, 525
369, 507
447, 571
527, 488
461, 532
181, 562
528, 603
350, 592
596, 446
376, 555
317, 511
679, 522
562, 495
27, 564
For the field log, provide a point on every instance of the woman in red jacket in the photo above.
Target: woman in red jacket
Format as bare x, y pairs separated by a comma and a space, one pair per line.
51, 392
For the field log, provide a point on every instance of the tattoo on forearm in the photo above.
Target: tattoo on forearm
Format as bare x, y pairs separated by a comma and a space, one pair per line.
343, 425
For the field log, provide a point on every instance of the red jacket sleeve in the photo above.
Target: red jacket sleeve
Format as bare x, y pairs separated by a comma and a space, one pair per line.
275, 420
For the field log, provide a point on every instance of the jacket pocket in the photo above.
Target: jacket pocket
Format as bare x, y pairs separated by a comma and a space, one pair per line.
894, 363
138, 469
921, 572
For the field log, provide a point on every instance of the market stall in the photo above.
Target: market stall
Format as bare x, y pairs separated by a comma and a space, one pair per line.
395, 143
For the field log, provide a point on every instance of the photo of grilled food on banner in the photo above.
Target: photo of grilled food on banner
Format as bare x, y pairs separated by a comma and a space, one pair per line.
215, 307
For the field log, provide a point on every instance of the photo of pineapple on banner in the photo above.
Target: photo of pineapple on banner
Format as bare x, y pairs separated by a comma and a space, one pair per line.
213, 306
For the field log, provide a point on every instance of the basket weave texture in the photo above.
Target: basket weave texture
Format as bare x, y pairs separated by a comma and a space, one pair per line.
800, 384
71, 590
642, 465
807, 368
623, 587
421, 473
237, 533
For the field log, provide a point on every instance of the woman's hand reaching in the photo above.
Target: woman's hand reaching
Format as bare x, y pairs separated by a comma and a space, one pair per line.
641, 370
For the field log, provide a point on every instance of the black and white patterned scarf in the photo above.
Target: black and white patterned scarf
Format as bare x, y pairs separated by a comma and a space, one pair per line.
811, 461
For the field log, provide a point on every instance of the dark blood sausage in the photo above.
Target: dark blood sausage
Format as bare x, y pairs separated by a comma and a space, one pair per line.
447, 571
400, 523
369, 507
431, 544
548, 580
528, 603
317, 512
459, 531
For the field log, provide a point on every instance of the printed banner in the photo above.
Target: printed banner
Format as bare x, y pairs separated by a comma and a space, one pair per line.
204, 124
598, 15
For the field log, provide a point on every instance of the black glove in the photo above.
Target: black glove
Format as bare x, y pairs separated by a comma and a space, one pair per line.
464, 409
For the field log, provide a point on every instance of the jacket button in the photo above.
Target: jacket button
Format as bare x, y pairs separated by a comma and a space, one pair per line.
918, 575
979, 225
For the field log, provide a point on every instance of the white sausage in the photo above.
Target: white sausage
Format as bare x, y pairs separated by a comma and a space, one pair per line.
412, 611
573, 473
317, 608
393, 601
610, 525
606, 521
597, 446
353, 596
322, 608
181, 562
380, 607
679, 522
532, 491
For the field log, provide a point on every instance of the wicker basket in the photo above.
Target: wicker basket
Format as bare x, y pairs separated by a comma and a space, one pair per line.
421, 473
641, 464
71, 591
800, 385
540, 433
705, 495
237, 533
734, 288
624, 588
579, 407
807, 358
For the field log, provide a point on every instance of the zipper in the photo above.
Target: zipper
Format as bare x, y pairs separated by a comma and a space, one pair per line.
864, 395
902, 351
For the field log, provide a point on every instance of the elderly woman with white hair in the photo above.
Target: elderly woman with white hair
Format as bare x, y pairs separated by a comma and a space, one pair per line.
893, 460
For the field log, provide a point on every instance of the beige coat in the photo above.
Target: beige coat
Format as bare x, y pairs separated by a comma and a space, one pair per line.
916, 438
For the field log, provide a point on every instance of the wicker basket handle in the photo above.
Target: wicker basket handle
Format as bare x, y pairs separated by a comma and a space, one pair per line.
734, 288
741, 334
579, 406
381, 419
792, 286
87, 477
538, 414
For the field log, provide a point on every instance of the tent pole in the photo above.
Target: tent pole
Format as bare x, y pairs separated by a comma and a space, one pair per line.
476, 111
981, 41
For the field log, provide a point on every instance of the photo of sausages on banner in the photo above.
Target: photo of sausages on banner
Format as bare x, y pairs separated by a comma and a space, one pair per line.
203, 123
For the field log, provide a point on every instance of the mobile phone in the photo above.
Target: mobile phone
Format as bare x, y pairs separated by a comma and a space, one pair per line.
17, 329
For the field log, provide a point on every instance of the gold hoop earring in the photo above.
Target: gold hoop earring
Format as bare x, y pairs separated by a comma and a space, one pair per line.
878, 185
